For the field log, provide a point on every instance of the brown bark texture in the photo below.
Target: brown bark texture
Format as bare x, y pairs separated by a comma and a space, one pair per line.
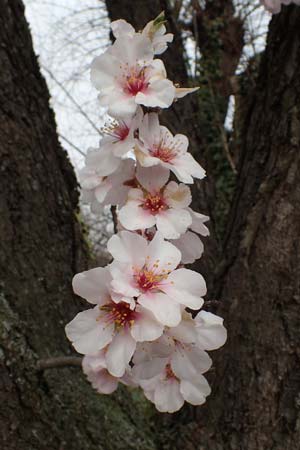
41, 248
256, 378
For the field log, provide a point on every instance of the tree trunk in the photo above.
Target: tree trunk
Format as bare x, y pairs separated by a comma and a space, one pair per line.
255, 381
41, 248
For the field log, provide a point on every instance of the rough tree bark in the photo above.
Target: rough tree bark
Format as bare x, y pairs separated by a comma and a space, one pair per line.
256, 381
41, 248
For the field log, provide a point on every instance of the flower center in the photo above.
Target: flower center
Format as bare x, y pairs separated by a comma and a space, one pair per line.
147, 279
119, 313
119, 131
135, 81
154, 203
165, 154
169, 372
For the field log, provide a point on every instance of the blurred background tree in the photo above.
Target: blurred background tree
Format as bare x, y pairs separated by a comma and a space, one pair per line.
244, 128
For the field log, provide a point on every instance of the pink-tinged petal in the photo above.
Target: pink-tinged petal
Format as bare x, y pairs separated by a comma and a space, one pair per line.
119, 104
165, 310
190, 246
99, 377
120, 352
198, 223
188, 362
160, 94
146, 327
92, 285
150, 384
144, 159
149, 130
177, 195
173, 222
88, 334
167, 397
185, 332
94, 362
102, 190
122, 282
162, 255
186, 287
149, 369
152, 178
102, 160
103, 382
103, 70
128, 248
129, 49
121, 27
195, 392
134, 217
182, 92
121, 148
185, 167
88, 178
210, 331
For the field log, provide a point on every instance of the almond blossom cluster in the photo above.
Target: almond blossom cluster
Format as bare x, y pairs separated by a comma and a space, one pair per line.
274, 6
144, 328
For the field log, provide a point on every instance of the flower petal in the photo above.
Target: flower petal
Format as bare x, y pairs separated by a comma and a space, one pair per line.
165, 310
120, 352
159, 94
133, 217
87, 333
173, 222
210, 331
186, 287
162, 255
167, 397
92, 285
146, 327
188, 362
190, 246
152, 178
195, 392
128, 248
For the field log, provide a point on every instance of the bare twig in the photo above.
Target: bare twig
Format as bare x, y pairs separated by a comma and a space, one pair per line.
71, 98
58, 362
72, 145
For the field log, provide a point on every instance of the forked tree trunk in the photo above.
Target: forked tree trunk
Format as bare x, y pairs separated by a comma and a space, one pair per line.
255, 400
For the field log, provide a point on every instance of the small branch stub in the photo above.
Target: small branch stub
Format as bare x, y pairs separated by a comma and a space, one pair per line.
58, 362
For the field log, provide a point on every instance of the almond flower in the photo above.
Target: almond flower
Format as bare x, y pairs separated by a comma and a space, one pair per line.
127, 76
155, 203
172, 374
119, 137
95, 369
189, 244
99, 190
114, 325
148, 271
157, 146
170, 369
155, 30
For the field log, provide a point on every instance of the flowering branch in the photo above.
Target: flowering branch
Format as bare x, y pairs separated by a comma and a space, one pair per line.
145, 328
